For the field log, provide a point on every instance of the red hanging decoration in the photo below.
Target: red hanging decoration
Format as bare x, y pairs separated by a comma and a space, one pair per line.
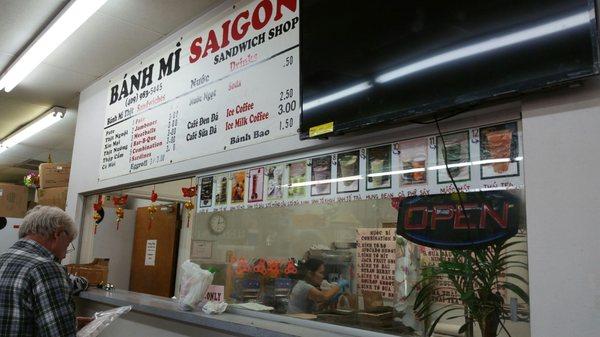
98, 213
152, 208
189, 192
119, 202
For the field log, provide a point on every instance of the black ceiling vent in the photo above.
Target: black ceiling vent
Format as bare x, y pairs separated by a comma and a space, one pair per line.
29, 164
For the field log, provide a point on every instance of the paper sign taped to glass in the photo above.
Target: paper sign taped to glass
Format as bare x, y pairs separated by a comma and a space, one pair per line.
438, 220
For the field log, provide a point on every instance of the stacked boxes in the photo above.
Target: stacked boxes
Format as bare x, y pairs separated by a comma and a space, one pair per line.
54, 175
54, 182
54, 196
13, 200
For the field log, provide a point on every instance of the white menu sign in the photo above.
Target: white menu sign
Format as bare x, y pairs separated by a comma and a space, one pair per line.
233, 85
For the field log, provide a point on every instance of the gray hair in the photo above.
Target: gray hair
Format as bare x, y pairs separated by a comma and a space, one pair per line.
45, 221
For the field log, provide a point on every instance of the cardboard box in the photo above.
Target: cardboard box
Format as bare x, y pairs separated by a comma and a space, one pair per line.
55, 196
13, 200
95, 272
54, 175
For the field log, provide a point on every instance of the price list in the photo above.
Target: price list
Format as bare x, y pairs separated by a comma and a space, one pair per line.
116, 148
192, 99
246, 108
264, 110
173, 122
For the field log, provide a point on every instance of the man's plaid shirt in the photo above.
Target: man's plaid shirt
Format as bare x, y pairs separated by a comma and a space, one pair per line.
35, 294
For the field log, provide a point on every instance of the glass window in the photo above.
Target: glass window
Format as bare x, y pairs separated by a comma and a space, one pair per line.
319, 241
258, 256
316, 237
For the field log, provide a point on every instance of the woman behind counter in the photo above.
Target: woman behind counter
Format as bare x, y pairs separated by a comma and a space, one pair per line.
306, 296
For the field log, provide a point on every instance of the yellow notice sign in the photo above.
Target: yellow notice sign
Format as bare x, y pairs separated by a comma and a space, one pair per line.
320, 129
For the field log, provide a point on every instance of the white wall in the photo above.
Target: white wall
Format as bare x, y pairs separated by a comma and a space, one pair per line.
117, 245
562, 163
284, 232
9, 235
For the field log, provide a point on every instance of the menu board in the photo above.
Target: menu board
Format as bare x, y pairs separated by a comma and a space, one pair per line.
232, 85
376, 260
404, 168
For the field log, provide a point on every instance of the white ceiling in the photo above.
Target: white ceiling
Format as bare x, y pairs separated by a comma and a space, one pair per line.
119, 31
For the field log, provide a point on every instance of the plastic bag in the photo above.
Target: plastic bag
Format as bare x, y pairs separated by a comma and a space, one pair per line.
78, 284
214, 307
101, 320
194, 284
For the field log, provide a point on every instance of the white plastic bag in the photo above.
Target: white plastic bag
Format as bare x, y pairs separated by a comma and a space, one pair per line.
194, 284
101, 320
214, 307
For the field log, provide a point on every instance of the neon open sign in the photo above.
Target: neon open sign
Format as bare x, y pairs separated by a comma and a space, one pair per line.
438, 220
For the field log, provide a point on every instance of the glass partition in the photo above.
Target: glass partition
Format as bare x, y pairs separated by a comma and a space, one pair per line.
258, 255
333, 237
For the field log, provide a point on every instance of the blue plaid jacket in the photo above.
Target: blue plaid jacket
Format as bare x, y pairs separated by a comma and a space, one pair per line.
35, 294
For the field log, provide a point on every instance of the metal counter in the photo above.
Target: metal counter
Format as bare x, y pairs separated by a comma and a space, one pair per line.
234, 321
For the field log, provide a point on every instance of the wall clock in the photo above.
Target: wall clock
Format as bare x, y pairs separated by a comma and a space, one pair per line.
217, 223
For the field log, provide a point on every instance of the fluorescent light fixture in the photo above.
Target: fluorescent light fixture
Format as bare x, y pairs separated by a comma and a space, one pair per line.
67, 22
337, 95
49, 118
491, 44
325, 181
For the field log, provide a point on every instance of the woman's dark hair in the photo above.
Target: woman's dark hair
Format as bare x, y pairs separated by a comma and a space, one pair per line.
308, 265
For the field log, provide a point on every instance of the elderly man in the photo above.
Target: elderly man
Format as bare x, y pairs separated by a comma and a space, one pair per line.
35, 293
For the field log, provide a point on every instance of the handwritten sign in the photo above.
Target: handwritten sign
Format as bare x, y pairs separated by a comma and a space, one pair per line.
444, 291
376, 260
